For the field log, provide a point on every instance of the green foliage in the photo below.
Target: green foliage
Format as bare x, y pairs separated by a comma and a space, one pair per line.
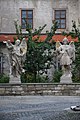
36, 57
75, 32
56, 76
38, 53
29, 78
76, 75
4, 78
76, 70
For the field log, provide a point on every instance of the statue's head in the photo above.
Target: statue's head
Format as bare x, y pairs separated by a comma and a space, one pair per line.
17, 42
9, 41
65, 41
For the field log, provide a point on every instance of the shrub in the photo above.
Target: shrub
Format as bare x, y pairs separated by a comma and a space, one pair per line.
4, 78
29, 78
57, 75
76, 76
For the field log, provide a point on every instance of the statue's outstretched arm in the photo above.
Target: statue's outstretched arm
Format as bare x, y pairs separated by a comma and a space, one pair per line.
8, 44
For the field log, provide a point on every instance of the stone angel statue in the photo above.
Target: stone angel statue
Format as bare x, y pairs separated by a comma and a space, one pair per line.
17, 56
66, 55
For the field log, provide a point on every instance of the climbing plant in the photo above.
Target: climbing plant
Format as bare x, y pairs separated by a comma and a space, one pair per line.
39, 56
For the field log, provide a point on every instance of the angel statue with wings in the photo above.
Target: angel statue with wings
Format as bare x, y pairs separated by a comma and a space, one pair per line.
17, 55
66, 55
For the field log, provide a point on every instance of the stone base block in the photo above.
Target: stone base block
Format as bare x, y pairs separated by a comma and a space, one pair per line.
65, 79
14, 80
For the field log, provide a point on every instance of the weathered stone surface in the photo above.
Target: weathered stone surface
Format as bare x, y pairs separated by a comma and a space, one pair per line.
14, 79
65, 79
2, 91
23, 89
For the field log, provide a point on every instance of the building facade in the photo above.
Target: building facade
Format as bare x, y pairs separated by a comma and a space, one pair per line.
40, 11
36, 13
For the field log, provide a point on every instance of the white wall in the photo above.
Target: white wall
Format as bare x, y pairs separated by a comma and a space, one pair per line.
43, 12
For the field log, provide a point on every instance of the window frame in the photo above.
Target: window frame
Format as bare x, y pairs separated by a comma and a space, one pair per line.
1, 63
27, 10
60, 10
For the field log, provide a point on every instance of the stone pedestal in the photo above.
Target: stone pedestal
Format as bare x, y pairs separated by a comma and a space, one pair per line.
66, 79
14, 80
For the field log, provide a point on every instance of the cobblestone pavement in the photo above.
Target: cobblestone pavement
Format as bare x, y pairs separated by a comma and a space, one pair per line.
38, 108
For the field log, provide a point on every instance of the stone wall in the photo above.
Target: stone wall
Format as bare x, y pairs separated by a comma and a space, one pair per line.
40, 89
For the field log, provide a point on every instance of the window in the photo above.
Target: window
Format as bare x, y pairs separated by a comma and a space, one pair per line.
1, 63
26, 17
60, 17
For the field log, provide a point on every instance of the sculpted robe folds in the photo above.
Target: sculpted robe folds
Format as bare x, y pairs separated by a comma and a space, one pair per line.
66, 55
17, 55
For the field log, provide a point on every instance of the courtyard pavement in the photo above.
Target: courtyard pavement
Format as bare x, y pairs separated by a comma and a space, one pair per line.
38, 107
